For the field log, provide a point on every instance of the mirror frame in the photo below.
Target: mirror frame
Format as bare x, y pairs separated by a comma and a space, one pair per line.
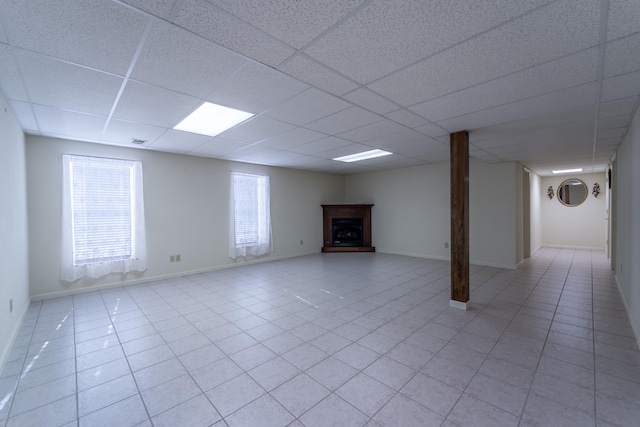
572, 205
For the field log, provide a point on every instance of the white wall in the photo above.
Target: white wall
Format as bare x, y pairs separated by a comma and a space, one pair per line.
411, 215
538, 193
186, 210
626, 184
582, 226
495, 237
14, 269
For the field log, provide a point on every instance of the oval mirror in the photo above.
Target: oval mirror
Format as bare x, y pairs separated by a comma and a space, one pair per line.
572, 192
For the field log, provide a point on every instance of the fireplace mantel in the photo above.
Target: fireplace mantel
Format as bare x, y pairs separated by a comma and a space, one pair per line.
347, 212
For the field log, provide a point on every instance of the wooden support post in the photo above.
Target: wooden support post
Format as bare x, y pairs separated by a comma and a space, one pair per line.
460, 219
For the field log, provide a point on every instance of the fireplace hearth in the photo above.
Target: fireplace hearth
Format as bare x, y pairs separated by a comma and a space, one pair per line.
347, 228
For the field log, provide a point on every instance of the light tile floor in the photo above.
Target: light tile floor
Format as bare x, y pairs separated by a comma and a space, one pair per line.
334, 339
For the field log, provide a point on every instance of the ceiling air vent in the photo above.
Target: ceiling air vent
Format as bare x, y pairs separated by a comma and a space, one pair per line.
138, 141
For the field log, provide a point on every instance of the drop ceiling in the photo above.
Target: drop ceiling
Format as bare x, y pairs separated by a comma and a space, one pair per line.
551, 84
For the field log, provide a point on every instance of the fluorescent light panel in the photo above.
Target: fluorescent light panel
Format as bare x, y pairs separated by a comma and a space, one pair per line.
212, 119
362, 156
568, 170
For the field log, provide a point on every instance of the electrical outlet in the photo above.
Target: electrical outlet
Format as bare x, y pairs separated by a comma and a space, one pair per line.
10, 306
446, 245
172, 258
178, 258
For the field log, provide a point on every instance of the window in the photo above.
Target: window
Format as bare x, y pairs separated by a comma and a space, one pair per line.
250, 215
103, 217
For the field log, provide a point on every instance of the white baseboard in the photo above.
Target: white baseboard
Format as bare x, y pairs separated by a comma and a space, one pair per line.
4, 356
78, 291
634, 327
581, 248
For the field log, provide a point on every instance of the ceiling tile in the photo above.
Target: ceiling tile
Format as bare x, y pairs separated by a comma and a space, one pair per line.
123, 132
375, 130
546, 34
512, 72
433, 130
624, 18
621, 56
96, 33
348, 119
614, 122
407, 118
159, 8
214, 24
251, 154
305, 162
278, 158
322, 165
406, 138
3, 35
179, 141
618, 107
429, 151
257, 129
295, 137
317, 75
24, 115
369, 44
61, 123
11, 83
393, 162
565, 72
255, 88
541, 135
320, 145
217, 147
371, 101
306, 107
612, 133
153, 105
296, 23
621, 86
63, 85
582, 115
554, 102
184, 62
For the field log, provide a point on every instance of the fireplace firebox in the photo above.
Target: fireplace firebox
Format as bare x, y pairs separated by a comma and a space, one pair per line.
347, 231
347, 228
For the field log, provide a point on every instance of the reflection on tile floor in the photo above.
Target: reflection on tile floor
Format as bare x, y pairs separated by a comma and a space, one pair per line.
334, 339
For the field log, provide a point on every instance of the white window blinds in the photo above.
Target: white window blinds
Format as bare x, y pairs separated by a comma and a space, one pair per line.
103, 217
250, 215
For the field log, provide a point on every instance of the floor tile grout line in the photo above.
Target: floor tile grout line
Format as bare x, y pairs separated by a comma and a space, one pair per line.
569, 288
535, 371
23, 367
496, 343
176, 357
593, 340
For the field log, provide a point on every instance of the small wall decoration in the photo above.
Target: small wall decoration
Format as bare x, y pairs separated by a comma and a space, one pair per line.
550, 192
596, 190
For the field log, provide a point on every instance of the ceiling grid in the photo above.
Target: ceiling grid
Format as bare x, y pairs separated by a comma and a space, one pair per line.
547, 83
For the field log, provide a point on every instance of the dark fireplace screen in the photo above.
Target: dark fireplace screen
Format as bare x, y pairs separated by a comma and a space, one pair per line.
347, 231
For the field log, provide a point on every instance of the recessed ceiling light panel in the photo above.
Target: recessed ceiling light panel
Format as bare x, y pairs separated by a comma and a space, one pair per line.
362, 156
212, 119
568, 170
